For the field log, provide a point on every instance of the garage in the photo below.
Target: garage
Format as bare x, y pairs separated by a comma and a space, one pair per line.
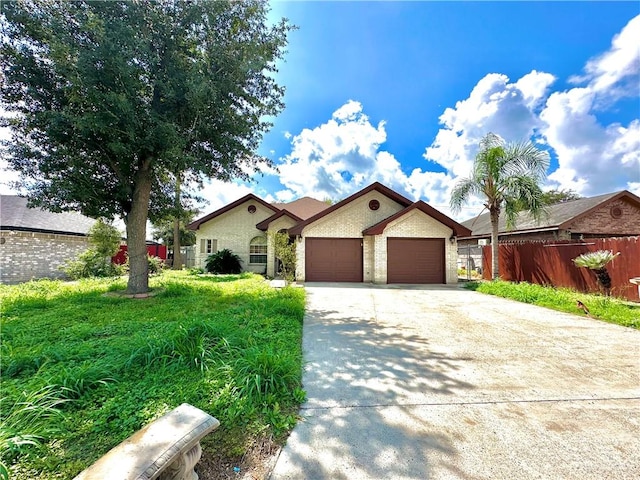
333, 259
415, 260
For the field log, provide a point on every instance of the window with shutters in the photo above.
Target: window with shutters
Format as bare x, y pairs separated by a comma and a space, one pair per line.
258, 250
208, 245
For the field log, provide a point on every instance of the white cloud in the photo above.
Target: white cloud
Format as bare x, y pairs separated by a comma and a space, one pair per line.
217, 194
594, 157
606, 72
343, 155
494, 105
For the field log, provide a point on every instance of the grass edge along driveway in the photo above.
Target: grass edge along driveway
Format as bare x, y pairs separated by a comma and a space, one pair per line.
609, 309
82, 371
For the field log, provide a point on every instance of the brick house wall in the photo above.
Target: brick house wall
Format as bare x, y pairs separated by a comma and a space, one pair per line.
348, 222
605, 221
29, 255
415, 224
234, 230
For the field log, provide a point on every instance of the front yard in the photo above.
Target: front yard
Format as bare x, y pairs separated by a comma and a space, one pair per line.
82, 371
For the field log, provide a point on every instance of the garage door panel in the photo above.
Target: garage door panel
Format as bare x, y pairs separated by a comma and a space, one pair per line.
415, 260
333, 259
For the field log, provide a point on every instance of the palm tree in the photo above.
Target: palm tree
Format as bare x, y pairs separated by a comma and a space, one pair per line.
597, 261
508, 177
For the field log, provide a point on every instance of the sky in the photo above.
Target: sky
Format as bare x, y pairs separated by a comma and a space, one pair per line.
402, 93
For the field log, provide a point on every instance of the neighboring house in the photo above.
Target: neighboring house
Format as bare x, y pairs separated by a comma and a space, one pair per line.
610, 215
614, 214
35, 242
375, 235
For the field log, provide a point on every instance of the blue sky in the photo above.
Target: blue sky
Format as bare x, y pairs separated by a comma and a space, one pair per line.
400, 76
402, 92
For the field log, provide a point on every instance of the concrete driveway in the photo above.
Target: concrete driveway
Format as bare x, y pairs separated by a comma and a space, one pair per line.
409, 382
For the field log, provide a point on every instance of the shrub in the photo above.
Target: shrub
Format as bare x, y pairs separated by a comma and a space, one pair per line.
597, 262
156, 265
91, 263
96, 261
285, 251
223, 261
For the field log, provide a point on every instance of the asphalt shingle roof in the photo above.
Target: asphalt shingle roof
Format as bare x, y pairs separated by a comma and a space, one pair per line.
304, 207
14, 214
558, 214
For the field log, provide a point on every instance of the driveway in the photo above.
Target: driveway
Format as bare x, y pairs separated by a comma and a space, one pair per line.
418, 382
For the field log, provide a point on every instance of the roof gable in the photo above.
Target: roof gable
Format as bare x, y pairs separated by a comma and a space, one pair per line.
264, 225
195, 225
405, 202
458, 230
559, 215
16, 215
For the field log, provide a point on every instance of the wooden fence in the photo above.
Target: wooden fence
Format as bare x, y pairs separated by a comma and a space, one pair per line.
550, 263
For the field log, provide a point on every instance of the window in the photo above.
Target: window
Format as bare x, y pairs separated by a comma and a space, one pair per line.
258, 250
208, 245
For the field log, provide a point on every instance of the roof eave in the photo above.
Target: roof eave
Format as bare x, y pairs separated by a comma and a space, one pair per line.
405, 202
195, 225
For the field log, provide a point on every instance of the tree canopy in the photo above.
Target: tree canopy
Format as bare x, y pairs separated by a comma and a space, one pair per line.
554, 196
109, 101
507, 176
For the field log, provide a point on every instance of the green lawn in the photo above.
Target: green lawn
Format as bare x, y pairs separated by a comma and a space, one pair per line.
609, 309
83, 371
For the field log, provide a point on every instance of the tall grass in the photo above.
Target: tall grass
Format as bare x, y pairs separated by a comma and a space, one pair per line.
102, 366
609, 309
27, 422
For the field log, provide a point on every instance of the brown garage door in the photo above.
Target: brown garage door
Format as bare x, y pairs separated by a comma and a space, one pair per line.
333, 259
415, 260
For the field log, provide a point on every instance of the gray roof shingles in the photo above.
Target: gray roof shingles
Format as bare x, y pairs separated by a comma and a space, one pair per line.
558, 214
15, 215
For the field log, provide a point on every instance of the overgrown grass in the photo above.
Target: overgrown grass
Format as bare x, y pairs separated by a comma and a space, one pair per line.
98, 368
609, 309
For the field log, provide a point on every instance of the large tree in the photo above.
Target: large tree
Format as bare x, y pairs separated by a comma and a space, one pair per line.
109, 101
507, 176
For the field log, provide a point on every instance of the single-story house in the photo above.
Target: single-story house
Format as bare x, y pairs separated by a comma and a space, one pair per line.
35, 242
375, 235
614, 214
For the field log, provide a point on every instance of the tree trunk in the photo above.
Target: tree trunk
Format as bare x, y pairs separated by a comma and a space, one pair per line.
136, 221
177, 257
495, 214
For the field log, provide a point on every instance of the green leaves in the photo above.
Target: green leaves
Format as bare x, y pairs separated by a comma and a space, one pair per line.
595, 260
109, 100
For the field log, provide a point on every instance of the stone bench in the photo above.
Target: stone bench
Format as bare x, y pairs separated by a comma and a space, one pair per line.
166, 449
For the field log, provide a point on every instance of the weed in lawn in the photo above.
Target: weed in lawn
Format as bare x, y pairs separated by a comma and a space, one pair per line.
263, 372
75, 381
27, 423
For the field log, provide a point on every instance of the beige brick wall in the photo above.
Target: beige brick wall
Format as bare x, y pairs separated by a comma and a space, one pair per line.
348, 222
28, 255
601, 221
351, 220
282, 223
416, 224
234, 230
